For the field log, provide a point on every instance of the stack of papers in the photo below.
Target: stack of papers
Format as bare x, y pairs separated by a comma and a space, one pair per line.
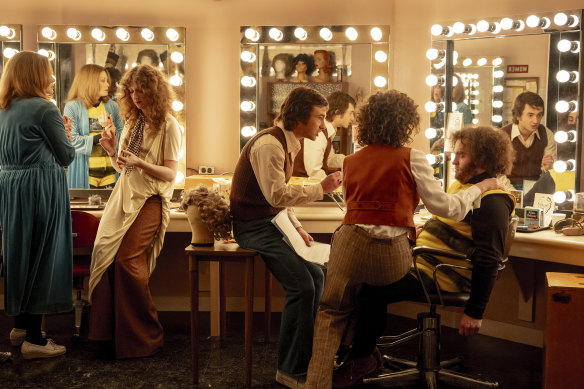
317, 252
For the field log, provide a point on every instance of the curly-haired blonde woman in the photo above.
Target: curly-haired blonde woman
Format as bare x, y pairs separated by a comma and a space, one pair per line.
131, 231
383, 183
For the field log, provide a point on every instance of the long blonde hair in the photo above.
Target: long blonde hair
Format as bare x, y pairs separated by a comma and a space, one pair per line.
85, 87
27, 74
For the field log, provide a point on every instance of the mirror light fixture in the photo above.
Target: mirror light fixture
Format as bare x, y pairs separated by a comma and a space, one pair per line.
534, 21
380, 81
98, 34
248, 131
434, 159
351, 33
172, 34
563, 106
565, 45
177, 105
7, 32
561, 19
247, 106
565, 136
49, 33
276, 34
74, 33
252, 34
175, 80
432, 133
563, 196
510, 24
380, 56
433, 54
376, 34
326, 33
300, 33
248, 81
122, 34
248, 56
147, 34
566, 76
177, 57
9, 52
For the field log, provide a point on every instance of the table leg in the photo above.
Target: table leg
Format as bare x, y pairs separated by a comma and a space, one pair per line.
222, 314
268, 306
248, 317
194, 273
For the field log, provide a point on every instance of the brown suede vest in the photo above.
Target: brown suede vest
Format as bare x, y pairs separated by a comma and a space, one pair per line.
300, 170
247, 200
527, 164
380, 188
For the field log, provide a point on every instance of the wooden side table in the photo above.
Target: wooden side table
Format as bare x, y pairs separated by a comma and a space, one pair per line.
224, 253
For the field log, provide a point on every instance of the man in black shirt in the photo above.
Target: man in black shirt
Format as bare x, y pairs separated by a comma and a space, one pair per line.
479, 153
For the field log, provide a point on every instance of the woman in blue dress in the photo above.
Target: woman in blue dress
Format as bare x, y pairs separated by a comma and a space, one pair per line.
37, 249
89, 105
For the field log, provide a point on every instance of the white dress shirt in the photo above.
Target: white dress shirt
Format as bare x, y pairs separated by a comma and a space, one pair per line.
314, 154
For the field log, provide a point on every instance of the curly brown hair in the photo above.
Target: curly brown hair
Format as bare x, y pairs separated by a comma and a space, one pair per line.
213, 207
490, 149
388, 118
150, 81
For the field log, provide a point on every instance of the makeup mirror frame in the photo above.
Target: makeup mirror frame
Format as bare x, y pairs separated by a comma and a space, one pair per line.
249, 70
11, 40
445, 41
172, 37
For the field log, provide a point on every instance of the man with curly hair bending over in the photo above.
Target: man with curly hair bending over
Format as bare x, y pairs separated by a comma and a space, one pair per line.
383, 184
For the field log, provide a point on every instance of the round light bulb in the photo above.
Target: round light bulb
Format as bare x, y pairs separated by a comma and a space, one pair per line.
431, 80
4, 31
379, 81
175, 80
147, 34
562, 106
9, 52
436, 30
482, 61
326, 34
376, 33
432, 54
560, 19
532, 21
561, 137
177, 105
430, 133
482, 26
247, 56
431, 158
172, 34
248, 81
122, 34
275, 34
497, 104
498, 74
467, 62
300, 33
497, 118
74, 33
564, 45
458, 27
98, 34
251, 34
380, 56
506, 23
563, 76
560, 197
49, 33
351, 33
247, 106
248, 131
475, 121
574, 21
497, 61
430, 106
498, 88
176, 57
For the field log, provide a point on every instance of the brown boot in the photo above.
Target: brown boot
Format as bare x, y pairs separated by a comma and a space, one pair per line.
353, 371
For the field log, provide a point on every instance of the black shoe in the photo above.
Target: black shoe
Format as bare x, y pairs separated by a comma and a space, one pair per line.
353, 371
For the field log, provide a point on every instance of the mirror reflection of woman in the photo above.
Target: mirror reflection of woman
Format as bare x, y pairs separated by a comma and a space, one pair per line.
131, 231
91, 109
37, 263
458, 97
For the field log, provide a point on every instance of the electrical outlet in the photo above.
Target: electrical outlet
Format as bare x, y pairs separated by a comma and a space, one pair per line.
206, 170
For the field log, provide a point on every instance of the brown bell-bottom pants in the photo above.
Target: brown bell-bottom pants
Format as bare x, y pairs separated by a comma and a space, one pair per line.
122, 309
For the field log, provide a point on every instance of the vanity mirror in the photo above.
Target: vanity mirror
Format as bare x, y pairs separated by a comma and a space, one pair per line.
117, 48
499, 58
276, 59
10, 42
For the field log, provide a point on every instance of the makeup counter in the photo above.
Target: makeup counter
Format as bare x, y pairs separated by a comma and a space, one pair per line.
516, 310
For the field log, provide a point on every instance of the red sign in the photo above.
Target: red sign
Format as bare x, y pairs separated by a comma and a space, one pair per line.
517, 68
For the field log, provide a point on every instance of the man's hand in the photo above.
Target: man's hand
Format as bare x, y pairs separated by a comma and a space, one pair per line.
305, 235
331, 182
469, 326
547, 162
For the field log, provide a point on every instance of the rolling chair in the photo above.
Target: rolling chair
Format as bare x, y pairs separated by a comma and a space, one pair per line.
84, 227
428, 366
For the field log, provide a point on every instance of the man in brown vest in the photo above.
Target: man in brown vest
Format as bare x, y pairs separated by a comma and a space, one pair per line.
534, 144
259, 191
317, 158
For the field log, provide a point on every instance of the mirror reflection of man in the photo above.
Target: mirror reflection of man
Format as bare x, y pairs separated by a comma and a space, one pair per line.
534, 144
317, 158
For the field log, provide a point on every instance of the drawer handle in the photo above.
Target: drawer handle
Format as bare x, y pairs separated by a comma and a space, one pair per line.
561, 298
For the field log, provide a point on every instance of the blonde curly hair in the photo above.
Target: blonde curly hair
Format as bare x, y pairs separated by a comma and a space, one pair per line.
213, 207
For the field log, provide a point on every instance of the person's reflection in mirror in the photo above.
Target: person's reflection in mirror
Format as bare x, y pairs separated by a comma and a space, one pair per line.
317, 158
114, 73
147, 57
87, 101
437, 96
304, 65
282, 65
534, 144
458, 97
321, 61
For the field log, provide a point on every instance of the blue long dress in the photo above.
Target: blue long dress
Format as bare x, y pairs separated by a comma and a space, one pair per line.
35, 217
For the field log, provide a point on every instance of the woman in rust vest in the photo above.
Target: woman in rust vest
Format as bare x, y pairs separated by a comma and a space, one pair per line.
383, 184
